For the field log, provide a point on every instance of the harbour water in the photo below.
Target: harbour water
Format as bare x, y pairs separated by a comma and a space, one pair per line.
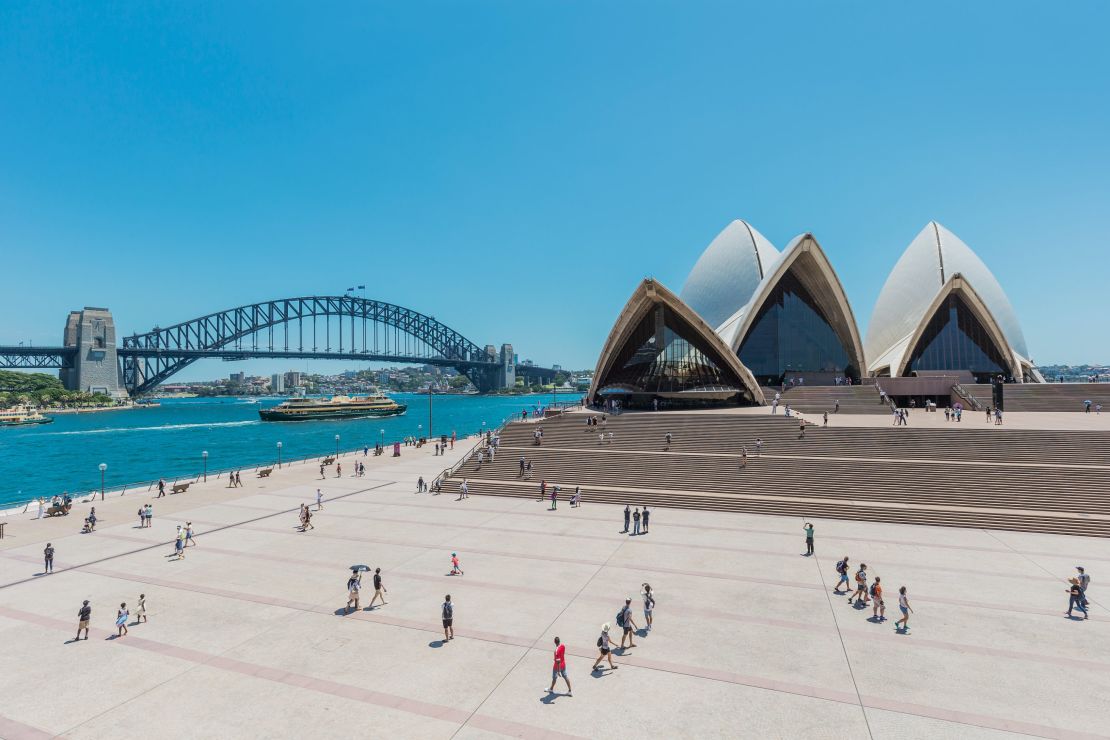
144, 444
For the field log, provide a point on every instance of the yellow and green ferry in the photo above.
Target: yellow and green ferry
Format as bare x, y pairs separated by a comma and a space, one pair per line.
336, 407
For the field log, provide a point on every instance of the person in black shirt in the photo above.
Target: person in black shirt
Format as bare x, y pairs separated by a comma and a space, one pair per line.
84, 614
48, 557
627, 515
379, 589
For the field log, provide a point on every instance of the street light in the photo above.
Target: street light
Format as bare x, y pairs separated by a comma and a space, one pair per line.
383, 438
429, 410
279, 455
205, 456
103, 467
337, 445
483, 429
419, 431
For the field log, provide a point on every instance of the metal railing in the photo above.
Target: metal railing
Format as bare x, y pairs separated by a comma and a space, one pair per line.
963, 393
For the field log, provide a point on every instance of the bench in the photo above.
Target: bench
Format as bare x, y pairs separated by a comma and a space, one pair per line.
180, 487
327, 461
265, 472
58, 510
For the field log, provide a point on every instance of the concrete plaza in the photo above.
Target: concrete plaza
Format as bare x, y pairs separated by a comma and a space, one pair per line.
247, 637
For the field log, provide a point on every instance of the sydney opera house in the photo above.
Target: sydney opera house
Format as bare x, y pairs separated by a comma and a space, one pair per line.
751, 317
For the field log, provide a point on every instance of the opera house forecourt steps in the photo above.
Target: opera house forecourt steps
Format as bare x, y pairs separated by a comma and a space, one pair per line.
817, 399
1054, 396
1026, 480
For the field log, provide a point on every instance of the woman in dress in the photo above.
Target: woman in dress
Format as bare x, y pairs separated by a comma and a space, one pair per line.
140, 611
121, 619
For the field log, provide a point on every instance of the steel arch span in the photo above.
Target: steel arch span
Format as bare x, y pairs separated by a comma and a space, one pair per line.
282, 327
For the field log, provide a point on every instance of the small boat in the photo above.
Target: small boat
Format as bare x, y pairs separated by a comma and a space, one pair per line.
18, 416
336, 407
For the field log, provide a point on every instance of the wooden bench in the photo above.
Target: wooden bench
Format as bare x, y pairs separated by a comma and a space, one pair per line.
327, 461
265, 472
57, 510
180, 487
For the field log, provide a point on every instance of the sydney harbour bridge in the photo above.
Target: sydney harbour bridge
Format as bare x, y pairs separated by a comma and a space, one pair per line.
316, 327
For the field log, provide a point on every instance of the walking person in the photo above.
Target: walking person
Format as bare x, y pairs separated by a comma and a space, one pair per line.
560, 667
306, 520
878, 611
149, 515
179, 543
809, 538
455, 569
321, 471
626, 623
743, 458
464, 490
84, 614
646, 513
121, 620
140, 610
447, 612
605, 649
861, 586
319, 500
1075, 598
649, 604
554, 498
379, 589
354, 590
758, 447
142, 517
189, 538
1084, 582
161, 488
636, 522
576, 499
842, 570
905, 608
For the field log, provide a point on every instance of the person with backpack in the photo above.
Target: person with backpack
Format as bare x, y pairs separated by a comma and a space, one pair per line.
605, 651
447, 612
842, 569
809, 538
649, 604
560, 667
878, 611
861, 586
626, 623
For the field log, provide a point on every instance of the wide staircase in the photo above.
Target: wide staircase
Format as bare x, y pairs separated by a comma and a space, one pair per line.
1054, 396
817, 399
966, 475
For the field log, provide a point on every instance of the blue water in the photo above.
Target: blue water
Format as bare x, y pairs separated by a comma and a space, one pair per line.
144, 444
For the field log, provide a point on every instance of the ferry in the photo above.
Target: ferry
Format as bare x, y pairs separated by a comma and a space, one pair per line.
21, 415
336, 407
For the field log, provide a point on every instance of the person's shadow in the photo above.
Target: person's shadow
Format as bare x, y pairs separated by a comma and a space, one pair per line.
551, 696
436, 644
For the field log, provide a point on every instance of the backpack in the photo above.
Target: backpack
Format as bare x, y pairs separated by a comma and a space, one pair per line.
620, 618
448, 610
841, 566
599, 641
871, 590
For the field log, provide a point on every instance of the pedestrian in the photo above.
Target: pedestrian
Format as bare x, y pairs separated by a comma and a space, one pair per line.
354, 588
826, 418
861, 586
627, 623
140, 610
161, 488
238, 478
121, 620
321, 471
84, 614
1075, 598
339, 470
560, 667
1084, 582
190, 535
179, 543
142, 517
576, 499
646, 513
878, 611
605, 651
627, 516
464, 490
455, 569
809, 538
842, 570
306, 523
379, 589
668, 441
447, 611
906, 609
649, 604
743, 457
149, 514
801, 428
48, 559
522, 464
636, 522
758, 447
836, 406
319, 500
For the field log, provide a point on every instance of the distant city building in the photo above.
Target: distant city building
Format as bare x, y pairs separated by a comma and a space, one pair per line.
557, 368
293, 379
277, 383
237, 378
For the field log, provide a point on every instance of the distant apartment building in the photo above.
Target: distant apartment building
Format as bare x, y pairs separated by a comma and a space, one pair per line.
237, 378
277, 383
293, 378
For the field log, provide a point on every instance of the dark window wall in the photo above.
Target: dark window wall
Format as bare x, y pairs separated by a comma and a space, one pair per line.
790, 334
676, 360
956, 340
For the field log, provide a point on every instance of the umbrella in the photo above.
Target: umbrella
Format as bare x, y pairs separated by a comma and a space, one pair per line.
359, 568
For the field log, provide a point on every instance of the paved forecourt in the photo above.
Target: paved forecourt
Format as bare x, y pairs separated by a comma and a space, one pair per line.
247, 635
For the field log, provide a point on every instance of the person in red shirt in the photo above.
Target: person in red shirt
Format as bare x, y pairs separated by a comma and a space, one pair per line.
560, 667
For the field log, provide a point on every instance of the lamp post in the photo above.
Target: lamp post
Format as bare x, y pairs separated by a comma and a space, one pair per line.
205, 456
419, 431
337, 445
279, 455
103, 467
383, 438
429, 411
483, 432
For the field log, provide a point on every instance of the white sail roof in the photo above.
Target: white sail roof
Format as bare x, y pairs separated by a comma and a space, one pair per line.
728, 272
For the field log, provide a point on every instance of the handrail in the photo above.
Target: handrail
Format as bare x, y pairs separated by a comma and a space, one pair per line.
965, 395
437, 482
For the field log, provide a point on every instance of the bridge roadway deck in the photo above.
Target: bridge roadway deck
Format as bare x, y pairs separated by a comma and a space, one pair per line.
246, 636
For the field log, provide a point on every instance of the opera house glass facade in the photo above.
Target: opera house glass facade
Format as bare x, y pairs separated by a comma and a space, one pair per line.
790, 335
955, 339
752, 316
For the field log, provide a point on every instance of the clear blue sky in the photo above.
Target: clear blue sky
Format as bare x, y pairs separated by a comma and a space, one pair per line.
515, 168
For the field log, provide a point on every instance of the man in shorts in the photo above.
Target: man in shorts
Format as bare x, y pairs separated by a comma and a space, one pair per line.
379, 589
560, 667
84, 614
624, 620
861, 586
447, 611
842, 569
